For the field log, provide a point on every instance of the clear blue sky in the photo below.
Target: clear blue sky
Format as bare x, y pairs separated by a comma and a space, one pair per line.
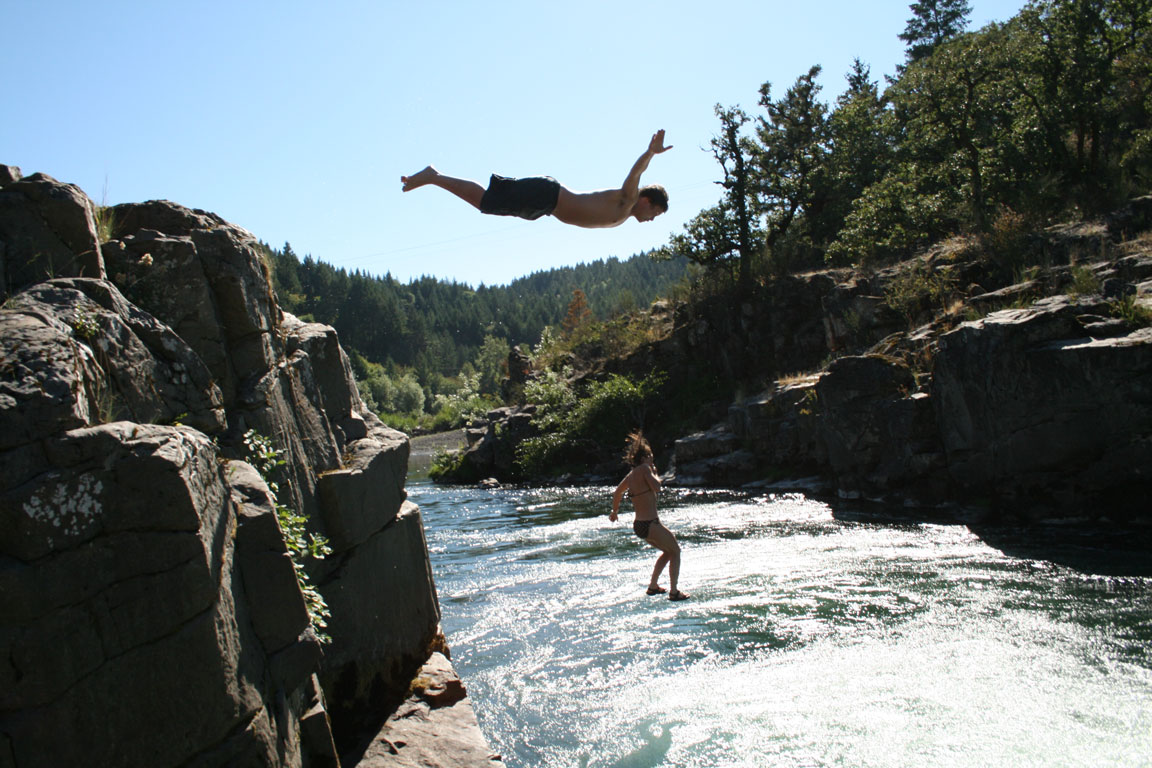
295, 120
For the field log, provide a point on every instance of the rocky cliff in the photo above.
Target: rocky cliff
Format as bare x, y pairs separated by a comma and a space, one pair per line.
150, 611
1015, 378
1032, 400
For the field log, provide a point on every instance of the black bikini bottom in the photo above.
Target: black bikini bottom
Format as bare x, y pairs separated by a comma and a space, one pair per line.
640, 527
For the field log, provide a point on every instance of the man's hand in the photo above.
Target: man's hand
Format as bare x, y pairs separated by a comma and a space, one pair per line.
656, 146
612, 516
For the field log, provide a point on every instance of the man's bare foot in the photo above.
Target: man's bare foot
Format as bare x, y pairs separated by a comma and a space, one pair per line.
419, 179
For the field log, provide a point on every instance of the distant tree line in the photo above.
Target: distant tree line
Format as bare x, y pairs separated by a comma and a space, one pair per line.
1046, 115
427, 337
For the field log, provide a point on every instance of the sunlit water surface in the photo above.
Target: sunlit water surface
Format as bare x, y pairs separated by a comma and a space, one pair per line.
815, 635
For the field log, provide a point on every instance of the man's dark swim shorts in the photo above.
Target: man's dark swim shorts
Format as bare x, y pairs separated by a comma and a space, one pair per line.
528, 198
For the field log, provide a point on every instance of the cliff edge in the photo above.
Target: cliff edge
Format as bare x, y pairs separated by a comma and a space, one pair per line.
150, 610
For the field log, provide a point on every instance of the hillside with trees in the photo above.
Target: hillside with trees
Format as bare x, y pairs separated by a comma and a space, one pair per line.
982, 137
419, 346
1008, 128
933, 288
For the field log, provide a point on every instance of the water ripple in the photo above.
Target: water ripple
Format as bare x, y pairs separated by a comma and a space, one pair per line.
815, 636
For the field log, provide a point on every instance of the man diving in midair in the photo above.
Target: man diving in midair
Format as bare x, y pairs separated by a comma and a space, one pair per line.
537, 196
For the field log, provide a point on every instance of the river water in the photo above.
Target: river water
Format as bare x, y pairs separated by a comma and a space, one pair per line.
816, 634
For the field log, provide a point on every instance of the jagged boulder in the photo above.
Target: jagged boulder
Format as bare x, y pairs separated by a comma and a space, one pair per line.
491, 448
205, 279
435, 727
47, 229
781, 427
150, 612
76, 353
879, 433
125, 628
333, 374
366, 494
1034, 408
9, 174
291, 381
377, 581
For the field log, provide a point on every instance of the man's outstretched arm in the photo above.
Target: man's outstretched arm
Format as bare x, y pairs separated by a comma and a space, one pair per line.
632, 184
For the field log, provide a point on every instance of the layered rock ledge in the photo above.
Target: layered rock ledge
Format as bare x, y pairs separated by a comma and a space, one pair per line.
150, 611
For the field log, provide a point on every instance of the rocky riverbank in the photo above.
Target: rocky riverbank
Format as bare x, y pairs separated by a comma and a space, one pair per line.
1017, 382
150, 610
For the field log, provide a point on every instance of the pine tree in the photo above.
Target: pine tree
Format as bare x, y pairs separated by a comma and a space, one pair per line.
934, 22
578, 313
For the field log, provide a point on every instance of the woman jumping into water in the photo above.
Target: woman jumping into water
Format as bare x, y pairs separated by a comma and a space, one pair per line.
642, 484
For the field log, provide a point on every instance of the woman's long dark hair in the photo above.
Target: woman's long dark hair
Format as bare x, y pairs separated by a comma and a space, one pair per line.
637, 451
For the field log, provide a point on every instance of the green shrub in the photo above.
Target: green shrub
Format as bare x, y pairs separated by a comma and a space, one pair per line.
1084, 281
445, 464
1128, 309
302, 545
579, 430
918, 288
888, 222
461, 407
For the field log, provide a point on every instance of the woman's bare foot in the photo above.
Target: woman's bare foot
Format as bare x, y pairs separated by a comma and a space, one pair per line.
419, 179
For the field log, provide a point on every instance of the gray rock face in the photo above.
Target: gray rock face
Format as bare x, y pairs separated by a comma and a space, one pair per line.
385, 621
435, 727
124, 627
149, 609
47, 229
1033, 407
333, 373
878, 432
80, 354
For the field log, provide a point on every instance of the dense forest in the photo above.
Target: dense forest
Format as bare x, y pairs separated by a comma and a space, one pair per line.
413, 342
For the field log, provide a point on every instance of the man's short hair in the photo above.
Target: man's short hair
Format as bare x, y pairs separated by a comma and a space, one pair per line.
656, 195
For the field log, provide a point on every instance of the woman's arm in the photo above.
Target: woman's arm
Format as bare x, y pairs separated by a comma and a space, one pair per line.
650, 477
617, 496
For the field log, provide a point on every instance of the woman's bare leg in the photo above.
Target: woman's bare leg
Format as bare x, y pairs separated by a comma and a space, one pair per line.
662, 538
465, 189
661, 561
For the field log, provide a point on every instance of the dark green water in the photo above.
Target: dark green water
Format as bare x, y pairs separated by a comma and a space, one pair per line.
816, 635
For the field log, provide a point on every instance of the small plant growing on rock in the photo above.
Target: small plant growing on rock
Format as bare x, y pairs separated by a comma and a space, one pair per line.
446, 464
1127, 309
1084, 281
84, 324
105, 222
913, 290
301, 544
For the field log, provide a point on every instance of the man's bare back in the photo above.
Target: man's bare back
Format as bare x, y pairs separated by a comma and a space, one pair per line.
598, 209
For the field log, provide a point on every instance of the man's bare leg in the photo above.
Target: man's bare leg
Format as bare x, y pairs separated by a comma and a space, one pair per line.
465, 189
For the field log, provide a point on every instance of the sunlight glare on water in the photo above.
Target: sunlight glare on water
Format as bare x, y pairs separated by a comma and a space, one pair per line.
813, 637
